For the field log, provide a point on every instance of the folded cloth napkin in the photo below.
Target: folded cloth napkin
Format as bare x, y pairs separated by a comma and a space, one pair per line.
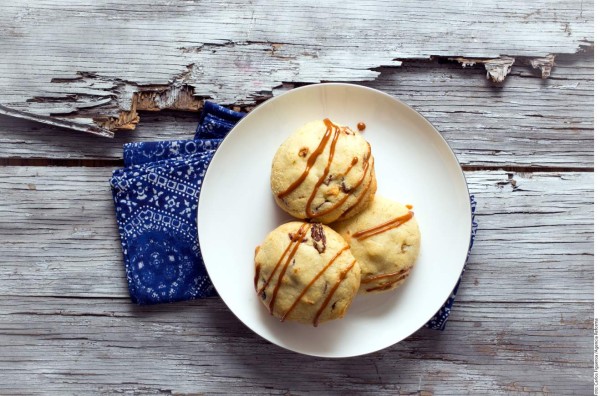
156, 206
148, 152
156, 198
216, 121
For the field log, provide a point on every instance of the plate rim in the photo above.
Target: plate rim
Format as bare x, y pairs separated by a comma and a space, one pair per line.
240, 123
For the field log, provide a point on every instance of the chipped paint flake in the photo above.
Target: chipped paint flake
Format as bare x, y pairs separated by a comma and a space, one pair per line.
544, 64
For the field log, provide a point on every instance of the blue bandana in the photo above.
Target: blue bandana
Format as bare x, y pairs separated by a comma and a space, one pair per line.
156, 199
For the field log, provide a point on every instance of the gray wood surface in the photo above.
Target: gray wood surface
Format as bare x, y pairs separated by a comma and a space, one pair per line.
90, 65
528, 122
69, 214
61, 345
522, 322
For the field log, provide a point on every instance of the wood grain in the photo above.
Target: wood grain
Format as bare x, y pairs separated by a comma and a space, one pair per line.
528, 122
70, 346
522, 321
92, 65
60, 238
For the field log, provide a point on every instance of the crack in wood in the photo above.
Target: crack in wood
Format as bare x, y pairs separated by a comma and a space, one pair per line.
55, 121
497, 68
95, 163
177, 95
134, 57
113, 104
153, 98
112, 110
231, 44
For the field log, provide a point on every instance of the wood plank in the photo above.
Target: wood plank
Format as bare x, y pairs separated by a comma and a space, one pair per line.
75, 346
535, 243
526, 122
92, 65
29, 139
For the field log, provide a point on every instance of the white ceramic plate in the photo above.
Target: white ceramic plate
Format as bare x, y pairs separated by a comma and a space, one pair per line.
414, 165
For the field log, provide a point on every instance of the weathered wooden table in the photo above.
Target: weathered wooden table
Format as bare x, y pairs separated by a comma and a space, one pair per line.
522, 322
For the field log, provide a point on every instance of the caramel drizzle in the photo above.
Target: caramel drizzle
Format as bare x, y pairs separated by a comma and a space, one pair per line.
362, 195
335, 130
256, 275
297, 244
297, 237
354, 162
330, 126
389, 284
329, 264
341, 201
310, 162
332, 292
378, 229
373, 278
284, 269
256, 267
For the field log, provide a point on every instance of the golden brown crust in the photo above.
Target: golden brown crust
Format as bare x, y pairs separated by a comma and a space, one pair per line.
385, 239
305, 272
321, 171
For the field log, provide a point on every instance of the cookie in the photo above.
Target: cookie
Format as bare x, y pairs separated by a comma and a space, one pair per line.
322, 172
305, 272
385, 239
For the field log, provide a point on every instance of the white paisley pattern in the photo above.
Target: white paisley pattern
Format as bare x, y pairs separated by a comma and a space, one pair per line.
146, 152
156, 199
156, 206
